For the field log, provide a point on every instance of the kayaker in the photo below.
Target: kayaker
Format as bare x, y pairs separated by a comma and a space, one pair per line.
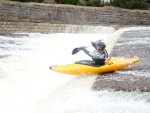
99, 55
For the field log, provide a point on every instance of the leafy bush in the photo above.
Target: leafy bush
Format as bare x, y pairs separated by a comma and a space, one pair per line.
89, 3
28, 0
98, 3
75, 2
130, 4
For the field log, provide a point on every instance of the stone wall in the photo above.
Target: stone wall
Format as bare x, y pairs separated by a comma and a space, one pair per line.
41, 27
38, 17
31, 27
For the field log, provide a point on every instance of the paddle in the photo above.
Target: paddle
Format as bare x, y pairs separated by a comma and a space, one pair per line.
76, 50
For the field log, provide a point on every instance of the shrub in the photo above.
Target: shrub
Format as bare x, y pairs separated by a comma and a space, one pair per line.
74, 2
89, 3
98, 3
130, 4
28, 0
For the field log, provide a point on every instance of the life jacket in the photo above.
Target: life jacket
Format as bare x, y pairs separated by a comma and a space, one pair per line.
105, 54
101, 61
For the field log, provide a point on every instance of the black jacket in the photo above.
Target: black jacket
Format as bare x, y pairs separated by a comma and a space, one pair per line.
98, 57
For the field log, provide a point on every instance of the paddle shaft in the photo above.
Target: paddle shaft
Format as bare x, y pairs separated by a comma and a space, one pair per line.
76, 50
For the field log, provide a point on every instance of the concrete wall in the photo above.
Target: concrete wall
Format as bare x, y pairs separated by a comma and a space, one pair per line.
31, 27
38, 17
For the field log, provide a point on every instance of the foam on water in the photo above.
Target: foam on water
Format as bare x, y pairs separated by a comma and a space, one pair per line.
25, 75
135, 73
27, 85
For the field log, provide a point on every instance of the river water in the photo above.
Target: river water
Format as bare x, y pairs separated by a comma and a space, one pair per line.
27, 85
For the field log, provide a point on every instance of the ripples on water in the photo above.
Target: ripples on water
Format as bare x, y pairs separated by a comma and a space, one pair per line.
28, 86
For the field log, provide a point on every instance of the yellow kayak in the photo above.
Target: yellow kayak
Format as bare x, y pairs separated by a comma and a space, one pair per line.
86, 67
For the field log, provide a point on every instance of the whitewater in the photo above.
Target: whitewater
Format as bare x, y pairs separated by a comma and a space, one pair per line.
27, 85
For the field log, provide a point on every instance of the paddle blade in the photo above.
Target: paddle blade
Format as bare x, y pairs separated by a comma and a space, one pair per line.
75, 50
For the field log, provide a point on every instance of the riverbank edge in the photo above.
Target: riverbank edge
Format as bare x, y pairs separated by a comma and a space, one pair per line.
55, 18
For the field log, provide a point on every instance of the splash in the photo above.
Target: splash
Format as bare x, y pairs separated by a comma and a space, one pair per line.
28, 86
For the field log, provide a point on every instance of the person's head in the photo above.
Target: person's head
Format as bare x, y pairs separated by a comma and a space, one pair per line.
100, 45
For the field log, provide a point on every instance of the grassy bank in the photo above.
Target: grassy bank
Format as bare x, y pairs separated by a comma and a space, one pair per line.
133, 5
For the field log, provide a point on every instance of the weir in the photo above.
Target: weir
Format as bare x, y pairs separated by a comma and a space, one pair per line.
49, 18
28, 86
135, 78
25, 77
